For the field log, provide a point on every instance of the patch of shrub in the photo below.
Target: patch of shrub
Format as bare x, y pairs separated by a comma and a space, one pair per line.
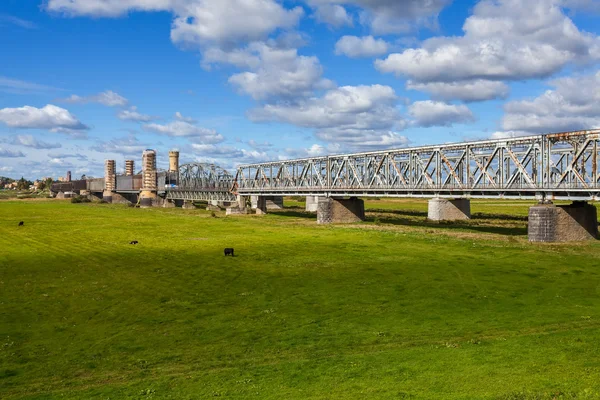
76, 200
103, 201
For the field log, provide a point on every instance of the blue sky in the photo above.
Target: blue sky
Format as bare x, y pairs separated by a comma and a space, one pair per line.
240, 81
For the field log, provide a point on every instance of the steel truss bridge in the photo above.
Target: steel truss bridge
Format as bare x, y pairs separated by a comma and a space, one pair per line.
200, 182
560, 166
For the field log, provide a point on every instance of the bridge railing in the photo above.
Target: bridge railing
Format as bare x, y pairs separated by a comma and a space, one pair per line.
553, 162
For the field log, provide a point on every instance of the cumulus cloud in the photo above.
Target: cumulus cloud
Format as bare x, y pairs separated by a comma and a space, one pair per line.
30, 141
50, 117
315, 150
469, 91
571, 105
196, 21
392, 16
107, 98
355, 47
280, 73
133, 115
353, 116
334, 15
182, 127
433, 113
8, 153
503, 40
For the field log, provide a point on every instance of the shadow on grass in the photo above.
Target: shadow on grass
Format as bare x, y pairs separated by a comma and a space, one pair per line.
475, 216
418, 219
295, 212
471, 225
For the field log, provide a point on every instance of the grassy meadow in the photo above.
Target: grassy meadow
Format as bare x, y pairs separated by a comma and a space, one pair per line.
393, 308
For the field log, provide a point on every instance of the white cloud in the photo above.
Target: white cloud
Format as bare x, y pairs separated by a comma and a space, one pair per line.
353, 116
196, 21
432, 113
468, 91
129, 146
50, 117
30, 141
503, 40
203, 21
182, 127
107, 98
313, 151
367, 46
334, 15
8, 153
393, 16
280, 73
133, 115
105, 8
572, 105
180, 117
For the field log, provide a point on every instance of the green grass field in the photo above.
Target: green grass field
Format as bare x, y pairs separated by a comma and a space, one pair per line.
392, 308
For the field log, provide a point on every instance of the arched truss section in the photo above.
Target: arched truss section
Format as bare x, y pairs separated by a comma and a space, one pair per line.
204, 177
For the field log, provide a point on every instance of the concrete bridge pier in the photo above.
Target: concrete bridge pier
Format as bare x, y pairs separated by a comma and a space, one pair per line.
312, 203
449, 210
340, 211
574, 222
188, 205
272, 202
167, 203
261, 205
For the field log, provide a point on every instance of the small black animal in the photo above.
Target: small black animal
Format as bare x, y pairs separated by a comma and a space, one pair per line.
134, 242
21, 223
229, 251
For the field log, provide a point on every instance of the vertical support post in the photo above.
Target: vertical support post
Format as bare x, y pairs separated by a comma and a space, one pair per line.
110, 180
129, 167
149, 179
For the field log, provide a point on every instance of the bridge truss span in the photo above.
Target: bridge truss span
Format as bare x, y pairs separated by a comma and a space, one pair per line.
200, 182
553, 167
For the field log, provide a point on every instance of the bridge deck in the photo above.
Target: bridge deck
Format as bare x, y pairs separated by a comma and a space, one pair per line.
553, 166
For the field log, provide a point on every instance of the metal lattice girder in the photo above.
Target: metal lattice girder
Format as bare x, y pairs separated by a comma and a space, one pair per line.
553, 166
199, 181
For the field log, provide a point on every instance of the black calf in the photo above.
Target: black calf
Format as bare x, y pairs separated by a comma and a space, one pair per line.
134, 242
21, 223
229, 251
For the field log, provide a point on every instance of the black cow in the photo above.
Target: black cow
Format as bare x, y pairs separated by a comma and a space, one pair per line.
134, 242
229, 251
21, 223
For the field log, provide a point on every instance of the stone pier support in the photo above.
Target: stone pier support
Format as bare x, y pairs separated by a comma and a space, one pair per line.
575, 222
188, 205
168, 203
241, 202
449, 210
107, 196
261, 205
340, 211
312, 203
272, 202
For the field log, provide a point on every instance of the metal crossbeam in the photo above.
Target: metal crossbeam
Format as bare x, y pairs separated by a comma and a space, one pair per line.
552, 166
